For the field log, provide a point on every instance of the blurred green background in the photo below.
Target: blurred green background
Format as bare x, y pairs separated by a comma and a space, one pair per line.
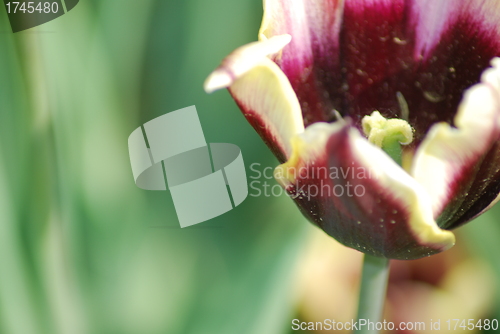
82, 249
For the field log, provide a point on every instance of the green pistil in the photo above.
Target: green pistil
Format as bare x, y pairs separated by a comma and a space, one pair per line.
392, 147
388, 134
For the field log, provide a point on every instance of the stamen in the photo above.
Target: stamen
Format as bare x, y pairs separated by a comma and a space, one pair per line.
338, 116
403, 105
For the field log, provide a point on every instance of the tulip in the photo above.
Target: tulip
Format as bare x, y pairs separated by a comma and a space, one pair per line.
384, 115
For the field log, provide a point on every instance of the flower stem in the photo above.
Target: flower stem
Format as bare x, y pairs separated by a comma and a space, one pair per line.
372, 293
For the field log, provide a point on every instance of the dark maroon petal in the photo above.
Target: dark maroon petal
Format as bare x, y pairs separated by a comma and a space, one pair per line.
460, 166
311, 60
380, 54
477, 189
358, 195
429, 52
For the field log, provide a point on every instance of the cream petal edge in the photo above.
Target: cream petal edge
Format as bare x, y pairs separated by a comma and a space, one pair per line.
446, 150
264, 34
388, 174
265, 92
261, 89
274, 17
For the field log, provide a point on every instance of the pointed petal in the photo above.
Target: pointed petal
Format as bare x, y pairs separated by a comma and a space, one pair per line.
242, 60
357, 194
262, 92
460, 167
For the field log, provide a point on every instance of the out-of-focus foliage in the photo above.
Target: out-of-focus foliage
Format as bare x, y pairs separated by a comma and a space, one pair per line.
82, 249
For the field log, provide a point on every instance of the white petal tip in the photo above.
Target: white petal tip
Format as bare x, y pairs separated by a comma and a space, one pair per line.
217, 80
282, 40
242, 60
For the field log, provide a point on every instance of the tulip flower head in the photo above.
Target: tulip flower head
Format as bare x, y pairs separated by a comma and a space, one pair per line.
384, 114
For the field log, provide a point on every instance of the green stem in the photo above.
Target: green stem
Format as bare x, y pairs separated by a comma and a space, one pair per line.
372, 293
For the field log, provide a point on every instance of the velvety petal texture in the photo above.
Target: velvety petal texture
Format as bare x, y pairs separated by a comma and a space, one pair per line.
356, 193
355, 56
460, 166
